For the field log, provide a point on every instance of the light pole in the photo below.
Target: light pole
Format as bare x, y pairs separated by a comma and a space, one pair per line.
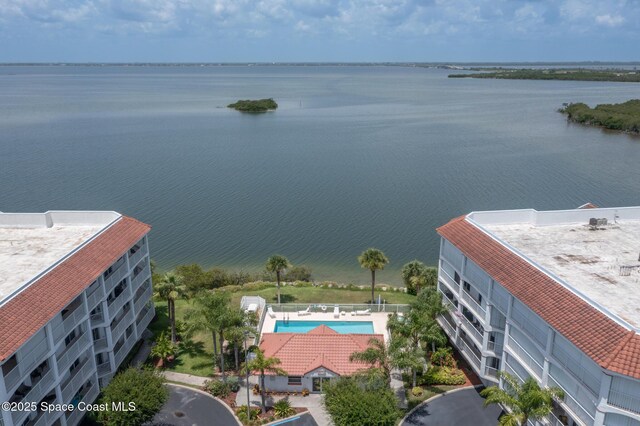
246, 364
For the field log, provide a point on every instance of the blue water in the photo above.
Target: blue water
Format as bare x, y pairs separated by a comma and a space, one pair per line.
342, 327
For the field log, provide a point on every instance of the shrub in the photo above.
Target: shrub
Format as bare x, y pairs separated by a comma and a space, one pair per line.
218, 388
349, 404
305, 392
283, 409
145, 388
443, 357
417, 391
241, 412
443, 376
234, 383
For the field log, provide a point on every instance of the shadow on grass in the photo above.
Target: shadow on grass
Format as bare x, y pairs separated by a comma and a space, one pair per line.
192, 348
285, 298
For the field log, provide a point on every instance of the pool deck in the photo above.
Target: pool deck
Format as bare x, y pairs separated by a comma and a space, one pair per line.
379, 320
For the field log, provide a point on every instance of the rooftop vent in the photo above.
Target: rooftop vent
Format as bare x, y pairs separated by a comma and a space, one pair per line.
596, 222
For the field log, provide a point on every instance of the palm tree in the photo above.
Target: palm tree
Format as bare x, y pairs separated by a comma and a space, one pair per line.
264, 365
406, 356
170, 288
229, 318
376, 355
277, 264
411, 273
524, 402
373, 259
206, 315
163, 349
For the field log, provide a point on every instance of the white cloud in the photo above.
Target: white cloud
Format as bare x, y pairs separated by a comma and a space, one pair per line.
610, 20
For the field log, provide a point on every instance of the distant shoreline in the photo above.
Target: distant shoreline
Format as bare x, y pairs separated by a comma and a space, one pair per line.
574, 74
623, 117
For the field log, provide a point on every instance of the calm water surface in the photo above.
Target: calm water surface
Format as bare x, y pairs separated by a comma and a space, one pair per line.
354, 157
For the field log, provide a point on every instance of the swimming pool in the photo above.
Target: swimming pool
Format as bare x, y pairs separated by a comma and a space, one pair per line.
342, 327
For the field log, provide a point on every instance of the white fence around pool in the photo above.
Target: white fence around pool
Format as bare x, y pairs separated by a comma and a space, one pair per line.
328, 307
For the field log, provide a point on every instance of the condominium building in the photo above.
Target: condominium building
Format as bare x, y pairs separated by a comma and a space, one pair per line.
553, 295
75, 297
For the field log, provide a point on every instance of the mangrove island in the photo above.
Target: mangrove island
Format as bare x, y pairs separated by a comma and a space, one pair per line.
259, 105
624, 117
626, 76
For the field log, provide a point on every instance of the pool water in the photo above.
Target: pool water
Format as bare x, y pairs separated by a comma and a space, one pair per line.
342, 327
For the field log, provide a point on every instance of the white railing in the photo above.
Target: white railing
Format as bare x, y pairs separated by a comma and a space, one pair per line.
47, 418
119, 302
512, 372
624, 400
143, 298
316, 307
448, 303
124, 322
552, 420
474, 305
124, 350
104, 368
525, 357
73, 351
475, 333
144, 321
140, 277
78, 377
494, 347
491, 372
471, 354
115, 278
71, 322
26, 364
100, 344
35, 394
447, 327
572, 404
137, 256
90, 396
94, 298
449, 282
96, 319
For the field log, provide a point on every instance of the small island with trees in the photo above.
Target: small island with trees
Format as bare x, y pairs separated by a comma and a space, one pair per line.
623, 117
259, 105
579, 74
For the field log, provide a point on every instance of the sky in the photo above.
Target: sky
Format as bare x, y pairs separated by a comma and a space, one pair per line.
319, 30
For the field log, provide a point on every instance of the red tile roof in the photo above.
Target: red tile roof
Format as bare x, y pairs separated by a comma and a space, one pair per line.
31, 309
609, 344
300, 353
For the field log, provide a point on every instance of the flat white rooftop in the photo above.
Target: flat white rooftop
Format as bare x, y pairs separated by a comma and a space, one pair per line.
601, 264
33, 243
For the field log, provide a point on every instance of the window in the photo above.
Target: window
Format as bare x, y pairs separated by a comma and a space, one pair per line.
456, 278
467, 286
295, 381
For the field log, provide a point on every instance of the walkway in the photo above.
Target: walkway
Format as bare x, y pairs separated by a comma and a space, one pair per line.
187, 379
189, 407
461, 408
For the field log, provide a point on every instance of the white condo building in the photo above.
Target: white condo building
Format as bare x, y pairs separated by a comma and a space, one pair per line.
75, 297
553, 295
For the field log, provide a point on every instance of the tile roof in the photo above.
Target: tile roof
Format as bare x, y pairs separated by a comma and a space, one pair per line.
609, 344
300, 353
31, 309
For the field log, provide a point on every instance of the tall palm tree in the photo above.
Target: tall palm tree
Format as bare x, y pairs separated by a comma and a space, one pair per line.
526, 401
373, 259
170, 288
229, 318
263, 365
406, 356
205, 316
412, 273
277, 264
376, 355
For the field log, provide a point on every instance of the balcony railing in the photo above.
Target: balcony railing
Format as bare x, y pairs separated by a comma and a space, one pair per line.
26, 364
140, 277
47, 418
100, 344
96, 319
572, 404
73, 351
552, 420
94, 298
475, 333
78, 377
491, 372
495, 347
625, 401
115, 278
143, 321
119, 302
71, 322
90, 396
471, 355
35, 394
447, 327
124, 350
104, 368
450, 282
122, 325
143, 298
525, 357
137, 256
474, 305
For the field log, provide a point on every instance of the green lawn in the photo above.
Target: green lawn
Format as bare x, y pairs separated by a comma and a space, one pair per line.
196, 356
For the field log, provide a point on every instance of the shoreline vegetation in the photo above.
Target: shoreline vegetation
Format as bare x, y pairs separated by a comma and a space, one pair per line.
623, 117
257, 105
575, 74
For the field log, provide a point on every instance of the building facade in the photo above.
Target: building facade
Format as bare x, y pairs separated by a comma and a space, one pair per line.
75, 297
550, 295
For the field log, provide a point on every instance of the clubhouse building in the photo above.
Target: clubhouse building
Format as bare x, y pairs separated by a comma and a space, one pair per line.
75, 297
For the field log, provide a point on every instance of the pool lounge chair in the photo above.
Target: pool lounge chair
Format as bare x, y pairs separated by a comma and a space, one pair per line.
336, 312
305, 312
270, 312
365, 312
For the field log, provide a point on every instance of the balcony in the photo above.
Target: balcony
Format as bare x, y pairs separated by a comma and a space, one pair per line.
470, 353
141, 298
121, 325
100, 344
73, 351
474, 305
525, 358
136, 257
117, 303
491, 372
94, 298
572, 405
122, 352
624, 401
494, 347
69, 323
37, 391
47, 418
449, 282
96, 319
77, 378
140, 277
115, 277
89, 396
26, 364
104, 369
145, 318
447, 326
472, 330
